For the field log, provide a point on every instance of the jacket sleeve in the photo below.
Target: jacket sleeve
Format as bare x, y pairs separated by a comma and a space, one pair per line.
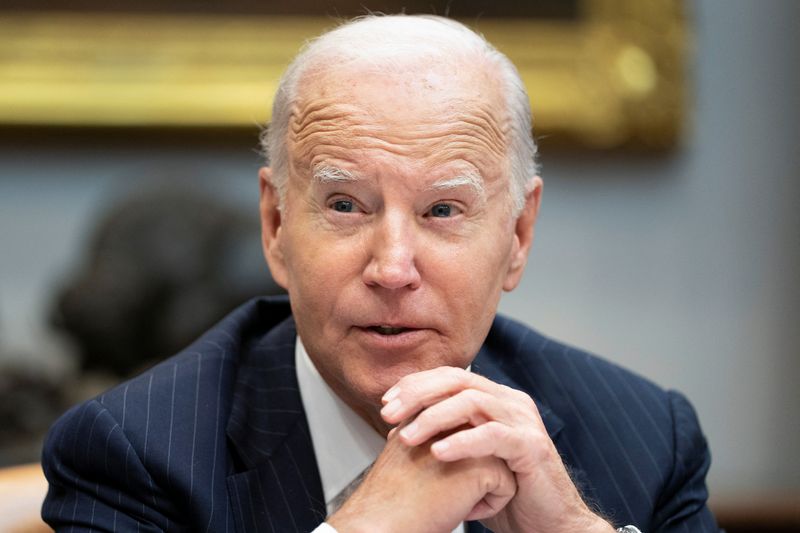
97, 480
683, 504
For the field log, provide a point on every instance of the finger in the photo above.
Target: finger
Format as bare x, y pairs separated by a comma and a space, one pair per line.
500, 492
521, 448
487, 508
484, 510
417, 391
469, 407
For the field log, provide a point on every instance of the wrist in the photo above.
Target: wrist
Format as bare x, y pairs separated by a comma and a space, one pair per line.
600, 525
344, 521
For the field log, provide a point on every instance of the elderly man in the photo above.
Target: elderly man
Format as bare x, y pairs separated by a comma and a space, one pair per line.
386, 395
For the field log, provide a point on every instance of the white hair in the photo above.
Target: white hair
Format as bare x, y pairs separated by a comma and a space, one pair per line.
471, 179
328, 174
383, 41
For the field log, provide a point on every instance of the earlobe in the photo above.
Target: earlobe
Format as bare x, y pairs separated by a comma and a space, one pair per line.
271, 223
523, 235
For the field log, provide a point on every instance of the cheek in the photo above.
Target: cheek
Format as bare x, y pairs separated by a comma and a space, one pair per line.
474, 267
469, 279
319, 267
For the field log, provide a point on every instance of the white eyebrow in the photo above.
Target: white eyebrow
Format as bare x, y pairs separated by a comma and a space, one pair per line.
472, 179
328, 174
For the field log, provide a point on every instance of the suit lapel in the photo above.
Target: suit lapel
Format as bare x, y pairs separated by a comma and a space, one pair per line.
500, 370
276, 486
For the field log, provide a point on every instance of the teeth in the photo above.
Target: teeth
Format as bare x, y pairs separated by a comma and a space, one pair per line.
387, 330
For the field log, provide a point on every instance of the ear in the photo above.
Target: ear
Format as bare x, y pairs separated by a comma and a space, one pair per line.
271, 243
523, 235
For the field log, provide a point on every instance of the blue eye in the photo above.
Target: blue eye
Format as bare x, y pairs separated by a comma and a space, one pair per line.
441, 211
343, 206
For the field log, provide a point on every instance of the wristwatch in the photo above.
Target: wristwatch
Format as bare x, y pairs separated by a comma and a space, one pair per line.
628, 529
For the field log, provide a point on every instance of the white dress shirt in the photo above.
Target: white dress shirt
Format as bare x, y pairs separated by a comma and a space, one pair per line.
344, 444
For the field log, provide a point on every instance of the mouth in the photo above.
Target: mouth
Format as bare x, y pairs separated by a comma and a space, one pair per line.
389, 330
392, 338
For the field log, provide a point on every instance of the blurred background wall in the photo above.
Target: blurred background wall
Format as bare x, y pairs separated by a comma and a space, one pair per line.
687, 268
684, 267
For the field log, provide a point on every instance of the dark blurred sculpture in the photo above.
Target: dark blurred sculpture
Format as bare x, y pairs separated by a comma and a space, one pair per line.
31, 397
162, 267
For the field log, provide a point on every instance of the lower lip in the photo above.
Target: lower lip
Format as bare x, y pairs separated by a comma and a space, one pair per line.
402, 341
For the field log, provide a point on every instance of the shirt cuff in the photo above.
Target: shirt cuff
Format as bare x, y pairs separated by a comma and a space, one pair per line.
325, 528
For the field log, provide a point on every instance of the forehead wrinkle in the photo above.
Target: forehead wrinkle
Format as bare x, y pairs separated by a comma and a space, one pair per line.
329, 114
488, 126
321, 124
395, 143
480, 127
322, 146
305, 112
479, 134
486, 160
320, 116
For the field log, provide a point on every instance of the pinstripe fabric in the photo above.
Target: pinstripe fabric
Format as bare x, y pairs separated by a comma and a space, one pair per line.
634, 450
216, 439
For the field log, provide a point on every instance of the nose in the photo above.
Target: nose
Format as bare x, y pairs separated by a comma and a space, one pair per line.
392, 263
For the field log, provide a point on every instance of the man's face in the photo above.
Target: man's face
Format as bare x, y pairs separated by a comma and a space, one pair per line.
396, 237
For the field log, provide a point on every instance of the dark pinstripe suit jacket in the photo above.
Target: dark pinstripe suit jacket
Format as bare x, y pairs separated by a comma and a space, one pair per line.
216, 439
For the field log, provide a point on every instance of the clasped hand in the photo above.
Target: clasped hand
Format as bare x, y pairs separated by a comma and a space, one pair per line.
465, 448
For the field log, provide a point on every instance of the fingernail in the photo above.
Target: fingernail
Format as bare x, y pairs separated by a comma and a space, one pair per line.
390, 394
391, 408
408, 431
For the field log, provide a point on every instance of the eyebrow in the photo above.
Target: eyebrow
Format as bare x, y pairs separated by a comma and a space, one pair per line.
329, 174
471, 179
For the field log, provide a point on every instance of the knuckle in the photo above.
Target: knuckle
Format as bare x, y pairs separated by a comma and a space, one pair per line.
524, 398
540, 445
410, 388
460, 439
402, 384
473, 397
431, 416
459, 376
495, 430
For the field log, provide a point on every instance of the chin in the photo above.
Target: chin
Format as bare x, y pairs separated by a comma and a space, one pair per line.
372, 383
372, 389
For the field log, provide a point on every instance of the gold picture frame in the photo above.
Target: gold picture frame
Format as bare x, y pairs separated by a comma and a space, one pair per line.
613, 77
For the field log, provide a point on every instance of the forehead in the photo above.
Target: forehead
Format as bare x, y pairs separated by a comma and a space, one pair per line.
434, 112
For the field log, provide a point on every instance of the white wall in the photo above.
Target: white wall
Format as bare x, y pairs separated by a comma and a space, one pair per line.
685, 267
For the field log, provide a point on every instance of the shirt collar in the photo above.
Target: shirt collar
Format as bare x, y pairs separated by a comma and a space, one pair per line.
344, 444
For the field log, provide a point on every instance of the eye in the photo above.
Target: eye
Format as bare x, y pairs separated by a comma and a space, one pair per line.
441, 211
343, 206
